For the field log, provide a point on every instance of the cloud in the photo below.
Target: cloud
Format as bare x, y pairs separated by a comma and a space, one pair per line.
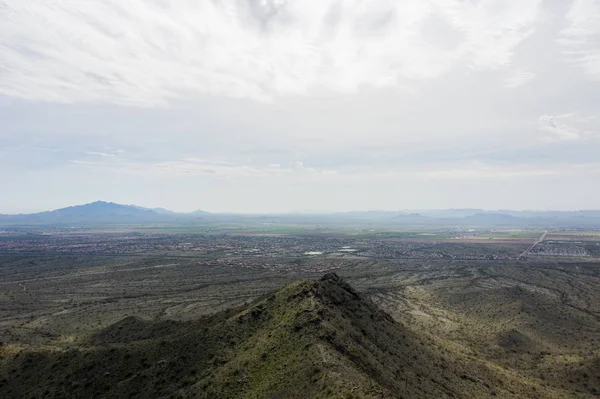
199, 167
339, 98
560, 130
486, 173
581, 38
149, 53
518, 78
100, 154
299, 166
107, 152
298, 171
47, 149
474, 170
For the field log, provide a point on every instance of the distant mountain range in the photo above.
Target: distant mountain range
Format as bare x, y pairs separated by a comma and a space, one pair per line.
101, 212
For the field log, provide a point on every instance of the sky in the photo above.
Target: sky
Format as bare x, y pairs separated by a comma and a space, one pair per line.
295, 105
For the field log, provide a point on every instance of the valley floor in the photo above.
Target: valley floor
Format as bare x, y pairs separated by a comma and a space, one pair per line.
533, 321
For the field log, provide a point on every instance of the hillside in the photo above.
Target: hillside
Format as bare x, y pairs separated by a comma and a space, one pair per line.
95, 212
316, 339
104, 213
101, 212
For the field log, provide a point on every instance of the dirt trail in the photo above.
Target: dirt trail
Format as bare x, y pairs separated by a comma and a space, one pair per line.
538, 241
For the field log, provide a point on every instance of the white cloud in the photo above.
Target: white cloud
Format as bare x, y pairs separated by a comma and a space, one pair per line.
150, 52
518, 78
561, 128
581, 38
299, 166
107, 152
100, 154
360, 95
473, 170
199, 167
298, 171
45, 149
487, 173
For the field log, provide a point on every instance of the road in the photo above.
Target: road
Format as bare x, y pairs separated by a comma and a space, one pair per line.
538, 241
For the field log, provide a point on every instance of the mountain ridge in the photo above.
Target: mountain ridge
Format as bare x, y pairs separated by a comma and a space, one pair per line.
310, 339
99, 212
102, 212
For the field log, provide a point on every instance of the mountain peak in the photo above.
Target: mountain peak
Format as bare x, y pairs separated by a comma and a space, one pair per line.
333, 277
309, 339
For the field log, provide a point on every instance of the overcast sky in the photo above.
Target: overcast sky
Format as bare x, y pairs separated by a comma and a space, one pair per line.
282, 105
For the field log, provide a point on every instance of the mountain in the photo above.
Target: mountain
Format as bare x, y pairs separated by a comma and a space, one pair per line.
95, 212
100, 212
451, 213
492, 218
103, 213
159, 210
199, 212
163, 211
412, 217
311, 339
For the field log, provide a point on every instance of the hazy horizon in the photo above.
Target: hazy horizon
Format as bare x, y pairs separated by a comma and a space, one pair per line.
313, 211
276, 106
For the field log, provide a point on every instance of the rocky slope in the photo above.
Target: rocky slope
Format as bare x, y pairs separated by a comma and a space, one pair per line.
311, 339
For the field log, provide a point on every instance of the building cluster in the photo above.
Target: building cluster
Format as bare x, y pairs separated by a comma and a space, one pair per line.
229, 246
559, 249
